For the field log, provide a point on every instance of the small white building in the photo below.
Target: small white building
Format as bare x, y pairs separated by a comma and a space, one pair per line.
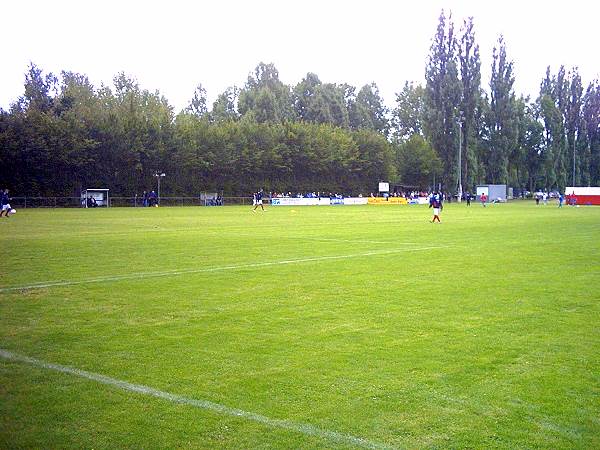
494, 192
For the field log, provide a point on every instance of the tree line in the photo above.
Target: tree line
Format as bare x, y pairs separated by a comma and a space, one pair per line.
64, 134
544, 143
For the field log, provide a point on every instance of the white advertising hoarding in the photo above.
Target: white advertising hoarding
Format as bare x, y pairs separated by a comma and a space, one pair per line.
323, 201
582, 190
295, 201
355, 201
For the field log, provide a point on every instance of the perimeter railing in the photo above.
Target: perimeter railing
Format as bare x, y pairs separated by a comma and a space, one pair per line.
132, 202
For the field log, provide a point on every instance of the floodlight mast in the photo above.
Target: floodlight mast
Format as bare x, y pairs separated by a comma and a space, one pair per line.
158, 176
460, 189
574, 165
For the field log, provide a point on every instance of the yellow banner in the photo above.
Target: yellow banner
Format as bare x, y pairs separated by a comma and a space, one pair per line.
387, 201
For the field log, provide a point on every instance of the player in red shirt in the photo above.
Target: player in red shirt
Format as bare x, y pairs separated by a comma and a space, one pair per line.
483, 199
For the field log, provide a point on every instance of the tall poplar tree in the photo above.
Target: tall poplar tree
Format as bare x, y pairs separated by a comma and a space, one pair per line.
470, 77
574, 128
503, 121
442, 97
591, 118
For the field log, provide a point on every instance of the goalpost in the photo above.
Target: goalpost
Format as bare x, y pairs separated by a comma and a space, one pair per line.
91, 198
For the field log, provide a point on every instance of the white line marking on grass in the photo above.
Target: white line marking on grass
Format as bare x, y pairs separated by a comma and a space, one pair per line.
141, 275
355, 241
302, 428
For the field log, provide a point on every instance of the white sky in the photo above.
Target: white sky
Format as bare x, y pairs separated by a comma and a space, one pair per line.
172, 45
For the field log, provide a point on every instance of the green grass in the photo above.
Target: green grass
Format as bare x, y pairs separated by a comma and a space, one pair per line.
490, 339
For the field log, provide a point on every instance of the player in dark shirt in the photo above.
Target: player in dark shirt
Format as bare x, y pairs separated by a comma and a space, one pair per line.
4, 201
258, 200
152, 199
435, 202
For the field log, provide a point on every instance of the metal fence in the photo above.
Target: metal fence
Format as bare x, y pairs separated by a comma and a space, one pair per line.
76, 202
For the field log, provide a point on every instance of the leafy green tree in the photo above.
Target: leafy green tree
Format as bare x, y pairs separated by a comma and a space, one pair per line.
39, 89
442, 99
470, 77
369, 110
503, 120
575, 127
334, 97
135, 135
518, 168
373, 161
418, 163
320, 103
62, 136
554, 142
305, 94
569, 129
77, 106
192, 160
409, 113
591, 119
224, 108
560, 115
197, 105
480, 143
38, 138
265, 97
531, 140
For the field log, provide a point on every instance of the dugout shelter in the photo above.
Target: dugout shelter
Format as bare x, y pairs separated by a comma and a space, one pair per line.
211, 198
99, 196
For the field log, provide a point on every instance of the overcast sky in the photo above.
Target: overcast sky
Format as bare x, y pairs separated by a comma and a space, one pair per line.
174, 45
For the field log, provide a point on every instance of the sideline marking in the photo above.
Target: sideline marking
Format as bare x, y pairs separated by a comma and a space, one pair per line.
355, 241
298, 427
141, 275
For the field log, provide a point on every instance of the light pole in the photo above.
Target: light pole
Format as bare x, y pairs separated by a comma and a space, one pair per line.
574, 164
460, 190
158, 176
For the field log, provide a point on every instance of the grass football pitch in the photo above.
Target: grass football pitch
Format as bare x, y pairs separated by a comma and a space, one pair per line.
301, 327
